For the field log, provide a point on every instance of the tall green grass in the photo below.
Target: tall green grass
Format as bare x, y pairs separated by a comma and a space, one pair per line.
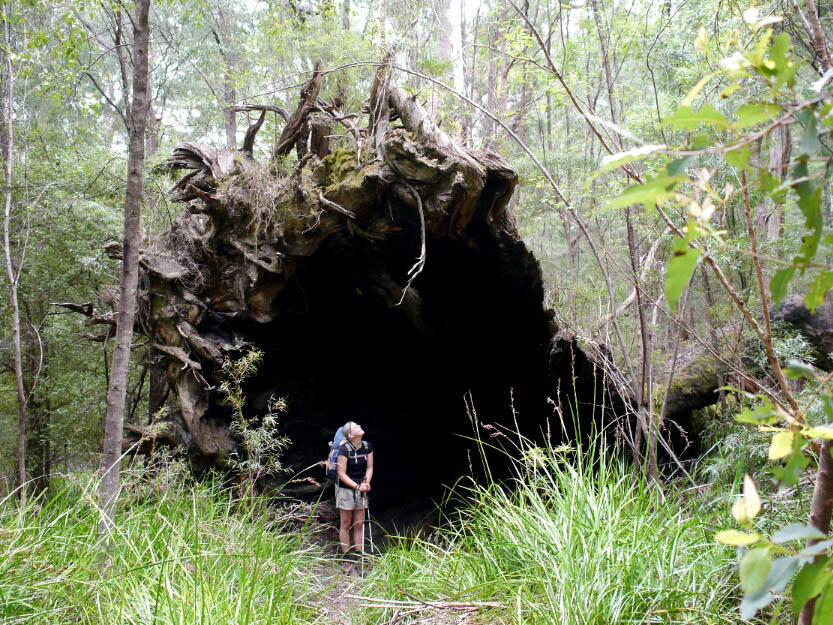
572, 540
184, 555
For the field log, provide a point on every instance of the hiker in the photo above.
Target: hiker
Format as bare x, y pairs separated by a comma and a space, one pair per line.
355, 472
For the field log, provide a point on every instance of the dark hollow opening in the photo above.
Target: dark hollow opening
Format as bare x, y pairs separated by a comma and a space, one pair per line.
338, 351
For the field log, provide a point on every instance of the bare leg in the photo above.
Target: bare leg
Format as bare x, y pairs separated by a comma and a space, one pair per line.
345, 520
358, 528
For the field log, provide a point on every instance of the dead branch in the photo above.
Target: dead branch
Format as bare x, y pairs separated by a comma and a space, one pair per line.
333, 206
264, 108
93, 316
251, 133
309, 95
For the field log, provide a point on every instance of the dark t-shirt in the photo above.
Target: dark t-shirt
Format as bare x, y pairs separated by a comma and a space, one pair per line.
356, 459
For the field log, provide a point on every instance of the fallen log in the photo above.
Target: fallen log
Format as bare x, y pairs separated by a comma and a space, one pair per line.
385, 286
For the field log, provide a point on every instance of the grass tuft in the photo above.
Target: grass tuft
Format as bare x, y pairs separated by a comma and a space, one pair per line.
572, 540
187, 555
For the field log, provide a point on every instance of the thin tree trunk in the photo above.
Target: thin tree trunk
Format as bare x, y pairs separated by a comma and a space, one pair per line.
10, 270
473, 72
822, 506
154, 124
114, 420
606, 65
345, 15
224, 42
491, 87
820, 512
465, 117
707, 292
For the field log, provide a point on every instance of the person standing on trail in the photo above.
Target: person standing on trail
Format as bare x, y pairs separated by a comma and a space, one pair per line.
355, 472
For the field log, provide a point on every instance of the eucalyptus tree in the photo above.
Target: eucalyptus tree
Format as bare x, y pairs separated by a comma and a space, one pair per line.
12, 272
128, 32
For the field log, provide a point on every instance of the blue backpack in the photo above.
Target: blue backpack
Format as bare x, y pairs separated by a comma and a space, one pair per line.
332, 467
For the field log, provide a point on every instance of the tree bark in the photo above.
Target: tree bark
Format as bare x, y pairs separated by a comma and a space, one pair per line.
229, 93
822, 506
10, 270
114, 421
491, 86
820, 512
345, 15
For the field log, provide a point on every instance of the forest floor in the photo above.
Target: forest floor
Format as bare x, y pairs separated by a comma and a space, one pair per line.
337, 604
337, 601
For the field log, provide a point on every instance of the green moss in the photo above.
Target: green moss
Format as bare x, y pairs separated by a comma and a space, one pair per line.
693, 384
339, 165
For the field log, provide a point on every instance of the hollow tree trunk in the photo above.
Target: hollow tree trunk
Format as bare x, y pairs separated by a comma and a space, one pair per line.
365, 276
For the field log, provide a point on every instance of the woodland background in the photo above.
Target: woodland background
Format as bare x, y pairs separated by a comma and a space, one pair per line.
570, 83
70, 152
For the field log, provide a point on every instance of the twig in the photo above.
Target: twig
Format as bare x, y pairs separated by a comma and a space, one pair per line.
333, 206
767, 337
437, 605
419, 265
242, 108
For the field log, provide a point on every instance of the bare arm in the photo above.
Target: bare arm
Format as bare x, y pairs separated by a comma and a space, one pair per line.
368, 474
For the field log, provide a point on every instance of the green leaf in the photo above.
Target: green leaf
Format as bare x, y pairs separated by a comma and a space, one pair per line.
752, 114
738, 158
809, 143
612, 161
796, 531
816, 549
776, 613
648, 193
754, 602
755, 54
788, 475
828, 407
809, 582
700, 84
781, 46
772, 186
818, 290
809, 201
779, 282
687, 119
681, 265
678, 166
754, 568
780, 445
822, 432
764, 414
823, 614
780, 574
736, 538
797, 369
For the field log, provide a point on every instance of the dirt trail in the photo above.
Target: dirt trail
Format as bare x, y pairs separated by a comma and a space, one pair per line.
336, 607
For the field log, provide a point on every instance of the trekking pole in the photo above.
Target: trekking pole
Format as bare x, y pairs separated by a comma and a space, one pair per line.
369, 525
364, 505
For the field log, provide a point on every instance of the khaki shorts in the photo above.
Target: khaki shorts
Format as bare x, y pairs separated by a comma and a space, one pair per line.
349, 499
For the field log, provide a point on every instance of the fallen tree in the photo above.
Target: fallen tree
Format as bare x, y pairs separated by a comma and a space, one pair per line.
703, 368
384, 281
